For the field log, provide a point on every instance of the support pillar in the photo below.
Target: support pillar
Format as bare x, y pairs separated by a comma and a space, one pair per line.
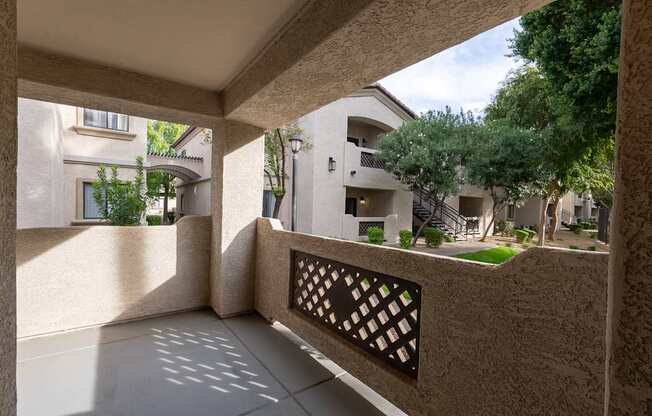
629, 317
8, 145
236, 201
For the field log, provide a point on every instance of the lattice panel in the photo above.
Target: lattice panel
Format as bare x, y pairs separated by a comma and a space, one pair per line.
376, 312
369, 160
363, 226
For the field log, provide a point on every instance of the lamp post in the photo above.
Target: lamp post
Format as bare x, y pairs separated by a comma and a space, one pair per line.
295, 145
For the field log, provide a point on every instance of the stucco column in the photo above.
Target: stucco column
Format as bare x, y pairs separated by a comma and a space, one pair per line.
629, 317
236, 202
8, 141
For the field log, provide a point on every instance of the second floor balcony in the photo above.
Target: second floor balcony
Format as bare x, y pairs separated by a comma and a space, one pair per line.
362, 168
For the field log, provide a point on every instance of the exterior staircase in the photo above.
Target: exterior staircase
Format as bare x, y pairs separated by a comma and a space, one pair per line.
446, 218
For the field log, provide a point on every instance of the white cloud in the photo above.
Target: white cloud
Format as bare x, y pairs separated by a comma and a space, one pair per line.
464, 76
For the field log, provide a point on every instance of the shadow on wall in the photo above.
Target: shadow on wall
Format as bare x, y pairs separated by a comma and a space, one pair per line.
154, 270
74, 277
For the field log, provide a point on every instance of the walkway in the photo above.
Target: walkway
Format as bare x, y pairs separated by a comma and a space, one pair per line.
186, 364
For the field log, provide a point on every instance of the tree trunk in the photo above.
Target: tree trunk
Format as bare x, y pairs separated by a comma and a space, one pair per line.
277, 205
542, 222
554, 219
165, 205
494, 210
424, 225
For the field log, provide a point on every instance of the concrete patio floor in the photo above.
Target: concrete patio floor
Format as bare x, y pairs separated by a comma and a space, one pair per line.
186, 364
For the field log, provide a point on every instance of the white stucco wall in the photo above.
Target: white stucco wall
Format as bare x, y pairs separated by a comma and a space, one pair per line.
40, 192
196, 194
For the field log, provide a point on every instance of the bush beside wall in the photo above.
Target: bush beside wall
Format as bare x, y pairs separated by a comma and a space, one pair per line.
376, 235
405, 238
434, 237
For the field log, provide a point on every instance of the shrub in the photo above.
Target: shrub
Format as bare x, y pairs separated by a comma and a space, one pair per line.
405, 238
522, 236
573, 247
525, 245
154, 220
448, 238
593, 235
531, 233
591, 248
576, 228
505, 228
586, 225
376, 235
434, 237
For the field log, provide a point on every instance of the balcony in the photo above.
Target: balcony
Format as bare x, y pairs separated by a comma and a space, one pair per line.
355, 228
363, 169
110, 332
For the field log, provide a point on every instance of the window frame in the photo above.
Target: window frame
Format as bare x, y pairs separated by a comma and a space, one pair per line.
83, 201
106, 126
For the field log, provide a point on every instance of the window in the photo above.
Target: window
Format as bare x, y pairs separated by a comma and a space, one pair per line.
91, 209
106, 120
268, 203
511, 210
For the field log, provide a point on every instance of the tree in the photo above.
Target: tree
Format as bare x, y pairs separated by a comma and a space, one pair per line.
575, 45
121, 202
277, 150
504, 161
160, 137
425, 155
527, 100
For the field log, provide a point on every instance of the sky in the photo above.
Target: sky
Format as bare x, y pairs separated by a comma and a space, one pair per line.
465, 76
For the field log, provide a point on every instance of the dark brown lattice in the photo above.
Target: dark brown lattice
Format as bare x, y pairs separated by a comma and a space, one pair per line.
369, 160
363, 226
376, 312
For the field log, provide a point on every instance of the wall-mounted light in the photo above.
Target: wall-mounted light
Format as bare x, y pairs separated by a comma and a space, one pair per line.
353, 172
363, 201
331, 164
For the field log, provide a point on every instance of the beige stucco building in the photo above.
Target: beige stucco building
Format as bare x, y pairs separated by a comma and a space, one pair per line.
60, 148
342, 188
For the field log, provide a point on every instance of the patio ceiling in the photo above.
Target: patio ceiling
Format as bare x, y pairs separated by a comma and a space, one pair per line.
199, 43
259, 62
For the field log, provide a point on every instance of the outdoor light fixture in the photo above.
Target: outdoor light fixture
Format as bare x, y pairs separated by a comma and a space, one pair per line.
363, 201
295, 145
331, 164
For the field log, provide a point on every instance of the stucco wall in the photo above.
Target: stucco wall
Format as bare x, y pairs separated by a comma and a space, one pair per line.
40, 196
8, 155
77, 276
524, 338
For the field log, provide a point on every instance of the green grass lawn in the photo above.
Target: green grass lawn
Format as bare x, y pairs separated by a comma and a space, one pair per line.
496, 255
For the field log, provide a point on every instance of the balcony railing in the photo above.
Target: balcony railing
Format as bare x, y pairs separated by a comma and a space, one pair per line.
536, 322
369, 160
355, 228
373, 311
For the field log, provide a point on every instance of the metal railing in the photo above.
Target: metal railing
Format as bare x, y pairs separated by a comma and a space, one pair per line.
447, 216
369, 160
376, 312
363, 226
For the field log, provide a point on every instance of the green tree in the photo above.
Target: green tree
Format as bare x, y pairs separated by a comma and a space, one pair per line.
504, 160
527, 100
160, 137
425, 154
575, 44
121, 202
277, 154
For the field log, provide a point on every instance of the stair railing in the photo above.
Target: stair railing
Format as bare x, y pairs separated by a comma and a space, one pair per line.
448, 216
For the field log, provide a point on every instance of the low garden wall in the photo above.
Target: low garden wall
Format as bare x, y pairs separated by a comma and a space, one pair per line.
73, 277
522, 338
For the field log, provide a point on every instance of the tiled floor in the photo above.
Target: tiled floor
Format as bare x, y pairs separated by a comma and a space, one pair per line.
186, 364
